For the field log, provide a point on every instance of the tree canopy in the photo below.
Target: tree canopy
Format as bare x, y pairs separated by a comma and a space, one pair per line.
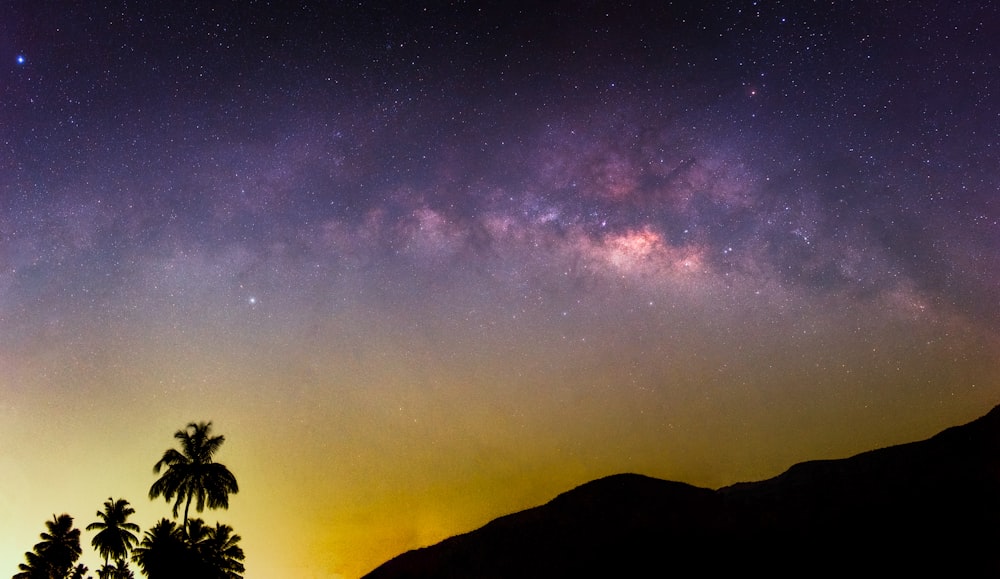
192, 474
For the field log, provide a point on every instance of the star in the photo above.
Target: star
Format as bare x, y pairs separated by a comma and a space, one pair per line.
541, 234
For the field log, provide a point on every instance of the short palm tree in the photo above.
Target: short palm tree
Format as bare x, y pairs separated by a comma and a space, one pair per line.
222, 552
191, 473
215, 551
119, 570
115, 537
55, 555
197, 532
35, 568
162, 552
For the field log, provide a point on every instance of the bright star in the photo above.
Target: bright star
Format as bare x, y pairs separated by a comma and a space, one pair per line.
253, 301
21, 59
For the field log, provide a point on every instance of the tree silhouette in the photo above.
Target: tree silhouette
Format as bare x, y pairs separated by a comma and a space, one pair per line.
197, 536
54, 556
191, 473
197, 531
119, 570
116, 537
35, 568
217, 554
162, 553
222, 553
203, 552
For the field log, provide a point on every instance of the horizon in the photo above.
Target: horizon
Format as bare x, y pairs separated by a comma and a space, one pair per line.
424, 266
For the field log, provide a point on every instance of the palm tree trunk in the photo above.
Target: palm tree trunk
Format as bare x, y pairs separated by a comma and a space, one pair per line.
187, 505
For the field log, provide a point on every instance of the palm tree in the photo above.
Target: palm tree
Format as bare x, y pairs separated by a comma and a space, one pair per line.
54, 556
197, 532
191, 474
35, 568
119, 570
223, 553
215, 551
196, 539
162, 553
116, 537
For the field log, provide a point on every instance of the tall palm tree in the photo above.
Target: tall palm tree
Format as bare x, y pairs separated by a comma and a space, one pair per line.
116, 537
55, 555
191, 473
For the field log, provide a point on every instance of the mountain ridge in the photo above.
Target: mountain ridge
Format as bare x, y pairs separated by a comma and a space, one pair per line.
930, 506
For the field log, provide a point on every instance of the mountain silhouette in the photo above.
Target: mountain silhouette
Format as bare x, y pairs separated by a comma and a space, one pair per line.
928, 508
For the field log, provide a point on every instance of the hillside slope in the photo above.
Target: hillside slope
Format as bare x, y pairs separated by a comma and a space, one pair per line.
924, 507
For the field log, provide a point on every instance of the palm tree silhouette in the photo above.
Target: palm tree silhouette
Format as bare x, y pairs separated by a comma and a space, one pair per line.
162, 553
35, 567
119, 570
197, 532
191, 473
214, 550
55, 555
202, 552
116, 537
223, 554
196, 540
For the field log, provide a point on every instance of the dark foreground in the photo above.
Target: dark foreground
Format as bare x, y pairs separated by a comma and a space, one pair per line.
930, 508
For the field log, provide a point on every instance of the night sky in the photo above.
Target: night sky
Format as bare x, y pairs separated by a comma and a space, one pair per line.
427, 264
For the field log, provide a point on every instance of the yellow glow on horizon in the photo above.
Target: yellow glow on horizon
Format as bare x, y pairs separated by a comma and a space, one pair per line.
363, 439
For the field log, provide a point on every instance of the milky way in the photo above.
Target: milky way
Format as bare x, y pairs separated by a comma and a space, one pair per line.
426, 265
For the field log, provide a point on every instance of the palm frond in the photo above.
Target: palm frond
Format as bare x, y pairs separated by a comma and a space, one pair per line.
170, 458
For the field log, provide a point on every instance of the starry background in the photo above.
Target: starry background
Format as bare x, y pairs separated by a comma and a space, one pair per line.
428, 264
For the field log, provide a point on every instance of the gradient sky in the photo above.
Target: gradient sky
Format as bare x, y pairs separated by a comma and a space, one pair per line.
426, 265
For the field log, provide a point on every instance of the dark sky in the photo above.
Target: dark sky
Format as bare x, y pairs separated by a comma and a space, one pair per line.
481, 252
